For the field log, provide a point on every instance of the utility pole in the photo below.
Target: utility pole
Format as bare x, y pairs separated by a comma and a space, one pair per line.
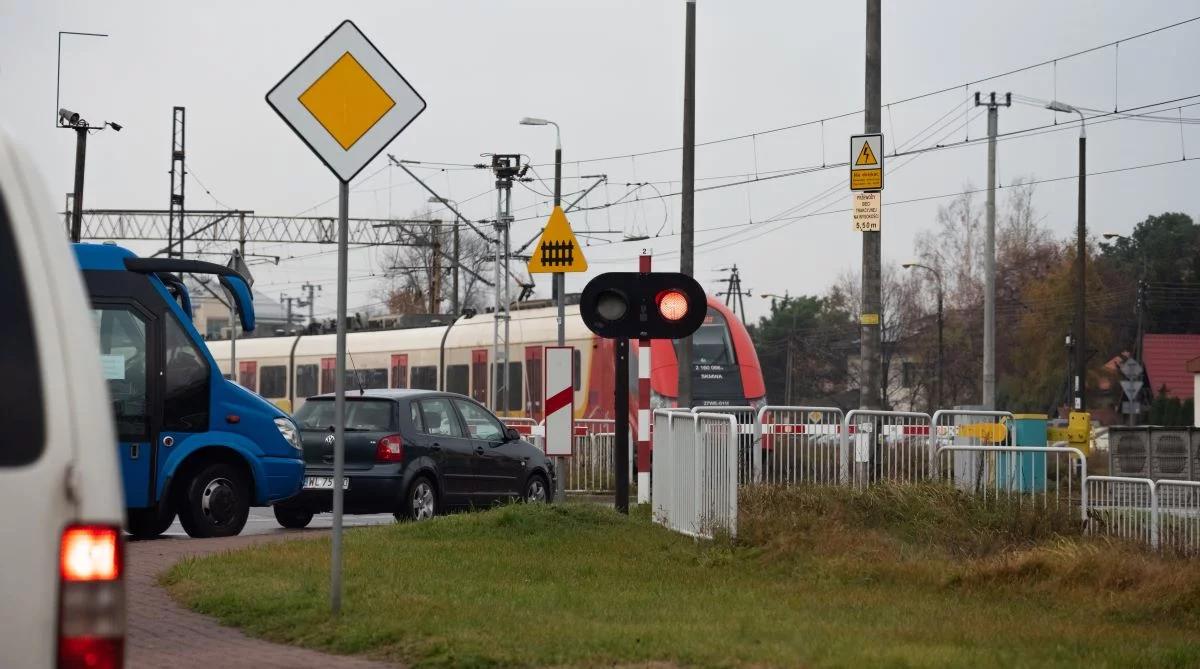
1081, 355
870, 392
288, 300
310, 288
178, 177
687, 211
989, 254
506, 168
435, 270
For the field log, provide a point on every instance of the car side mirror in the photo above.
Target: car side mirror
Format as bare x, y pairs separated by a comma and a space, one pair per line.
511, 434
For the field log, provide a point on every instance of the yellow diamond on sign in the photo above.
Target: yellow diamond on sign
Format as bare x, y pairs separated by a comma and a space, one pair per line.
346, 101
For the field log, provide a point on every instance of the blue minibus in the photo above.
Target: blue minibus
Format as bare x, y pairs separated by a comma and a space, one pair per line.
191, 442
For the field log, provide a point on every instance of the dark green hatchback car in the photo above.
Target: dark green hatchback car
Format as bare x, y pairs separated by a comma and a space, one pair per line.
413, 453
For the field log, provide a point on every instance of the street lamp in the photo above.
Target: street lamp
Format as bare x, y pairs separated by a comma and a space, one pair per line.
941, 351
1080, 376
445, 202
559, 287
787, 380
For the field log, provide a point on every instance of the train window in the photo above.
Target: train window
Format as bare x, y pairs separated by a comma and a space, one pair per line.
458, 379
248, 374
273, 381
366, 378
514, 400
424, 378
711, 344
25, 429
577, 369
185, 402
306, 380
400, 370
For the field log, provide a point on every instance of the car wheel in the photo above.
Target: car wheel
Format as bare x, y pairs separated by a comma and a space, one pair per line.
421, 501
536, 489
216, 502
293, 519
151, 522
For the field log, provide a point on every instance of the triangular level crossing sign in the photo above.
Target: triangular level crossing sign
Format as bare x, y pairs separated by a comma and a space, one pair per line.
866, 156
557, 250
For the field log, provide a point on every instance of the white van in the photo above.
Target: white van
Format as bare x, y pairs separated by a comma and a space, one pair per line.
62, 581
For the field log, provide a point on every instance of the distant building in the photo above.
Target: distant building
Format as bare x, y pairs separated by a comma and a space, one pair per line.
211, 316
1167, 358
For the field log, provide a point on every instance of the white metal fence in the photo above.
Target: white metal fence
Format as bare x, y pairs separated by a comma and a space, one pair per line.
695, 472
798, 444
1122, 507
1178, 516
746, 417
886, 446
1047, 477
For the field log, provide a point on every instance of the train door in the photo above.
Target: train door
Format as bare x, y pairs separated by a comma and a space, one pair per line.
479, 375
248, 374
533, 382
328, 371
399, 370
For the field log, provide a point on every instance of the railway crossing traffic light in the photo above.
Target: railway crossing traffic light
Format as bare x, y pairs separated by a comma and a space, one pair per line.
638, 305
653, 305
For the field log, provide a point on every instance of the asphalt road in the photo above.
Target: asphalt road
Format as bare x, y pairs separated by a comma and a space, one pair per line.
262, 521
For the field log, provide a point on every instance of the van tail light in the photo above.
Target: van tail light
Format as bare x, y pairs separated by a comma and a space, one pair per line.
389, 449
91, 606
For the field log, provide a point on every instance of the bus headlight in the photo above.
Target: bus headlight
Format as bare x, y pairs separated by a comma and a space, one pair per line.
289, 432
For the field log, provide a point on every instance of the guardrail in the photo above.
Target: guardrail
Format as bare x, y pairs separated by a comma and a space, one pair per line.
1020, 473
798, 444
695, 472
886, 446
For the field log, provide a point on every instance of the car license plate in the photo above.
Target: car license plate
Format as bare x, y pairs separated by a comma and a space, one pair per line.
324, 483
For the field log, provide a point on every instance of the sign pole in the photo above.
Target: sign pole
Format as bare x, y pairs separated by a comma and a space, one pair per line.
621, 449
339, 403
643, 406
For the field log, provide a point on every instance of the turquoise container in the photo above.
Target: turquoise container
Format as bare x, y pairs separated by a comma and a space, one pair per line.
1024, 472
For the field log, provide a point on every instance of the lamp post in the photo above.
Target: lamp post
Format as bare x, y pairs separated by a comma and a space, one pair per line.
940, 322
787, 379
1079, 382
559, 283
445, 202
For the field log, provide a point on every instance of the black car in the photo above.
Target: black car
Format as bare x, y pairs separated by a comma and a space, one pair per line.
414, 453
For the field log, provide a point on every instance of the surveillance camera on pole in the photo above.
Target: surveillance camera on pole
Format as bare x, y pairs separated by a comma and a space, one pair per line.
638, 305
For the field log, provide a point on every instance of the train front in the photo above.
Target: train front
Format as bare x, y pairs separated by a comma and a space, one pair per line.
725, 369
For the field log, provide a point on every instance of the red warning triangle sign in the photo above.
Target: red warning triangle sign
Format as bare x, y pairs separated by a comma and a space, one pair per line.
866, 156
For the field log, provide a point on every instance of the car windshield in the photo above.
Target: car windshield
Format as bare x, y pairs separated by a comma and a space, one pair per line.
361, 415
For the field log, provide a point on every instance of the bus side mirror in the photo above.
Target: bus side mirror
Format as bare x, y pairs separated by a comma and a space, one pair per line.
242, 297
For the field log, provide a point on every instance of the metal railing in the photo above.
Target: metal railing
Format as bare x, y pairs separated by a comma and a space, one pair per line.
1044, 476
1122, 507
886, 446
1178, 516
695, 472
798, 444
749, 466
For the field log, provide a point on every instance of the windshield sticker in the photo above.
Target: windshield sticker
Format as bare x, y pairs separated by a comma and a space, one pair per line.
113, 366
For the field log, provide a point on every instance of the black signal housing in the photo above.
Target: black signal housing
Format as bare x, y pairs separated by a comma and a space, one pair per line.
626, 305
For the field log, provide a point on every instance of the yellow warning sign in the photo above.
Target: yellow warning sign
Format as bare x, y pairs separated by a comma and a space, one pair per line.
557, 250
866, 157
866, 162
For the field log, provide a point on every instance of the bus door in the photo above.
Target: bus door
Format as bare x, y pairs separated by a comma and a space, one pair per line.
129, 355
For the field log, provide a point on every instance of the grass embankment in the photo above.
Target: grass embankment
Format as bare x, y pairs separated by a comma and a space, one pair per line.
818, 577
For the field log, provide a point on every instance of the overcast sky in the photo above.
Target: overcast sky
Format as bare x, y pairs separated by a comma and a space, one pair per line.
610, 73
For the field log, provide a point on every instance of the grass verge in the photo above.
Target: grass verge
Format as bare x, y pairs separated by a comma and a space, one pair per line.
818, 577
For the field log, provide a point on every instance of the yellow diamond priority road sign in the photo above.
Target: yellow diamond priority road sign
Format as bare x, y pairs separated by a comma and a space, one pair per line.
346, 101
557, 250
866, 162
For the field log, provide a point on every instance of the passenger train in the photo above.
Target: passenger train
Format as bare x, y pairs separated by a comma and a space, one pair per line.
288, 369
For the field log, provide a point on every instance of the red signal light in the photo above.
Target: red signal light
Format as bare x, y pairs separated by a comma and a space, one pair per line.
672, 304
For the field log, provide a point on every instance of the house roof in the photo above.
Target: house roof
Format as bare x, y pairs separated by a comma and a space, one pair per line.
1167, 360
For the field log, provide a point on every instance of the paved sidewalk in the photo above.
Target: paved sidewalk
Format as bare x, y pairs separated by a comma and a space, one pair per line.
164, 634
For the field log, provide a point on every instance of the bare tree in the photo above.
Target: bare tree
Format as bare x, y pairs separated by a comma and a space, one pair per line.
408, 271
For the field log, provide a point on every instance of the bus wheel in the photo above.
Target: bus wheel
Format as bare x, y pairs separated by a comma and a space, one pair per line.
151, 522
216, 502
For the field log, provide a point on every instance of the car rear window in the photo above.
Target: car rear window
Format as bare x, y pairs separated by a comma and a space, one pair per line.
361, 415
24, 437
